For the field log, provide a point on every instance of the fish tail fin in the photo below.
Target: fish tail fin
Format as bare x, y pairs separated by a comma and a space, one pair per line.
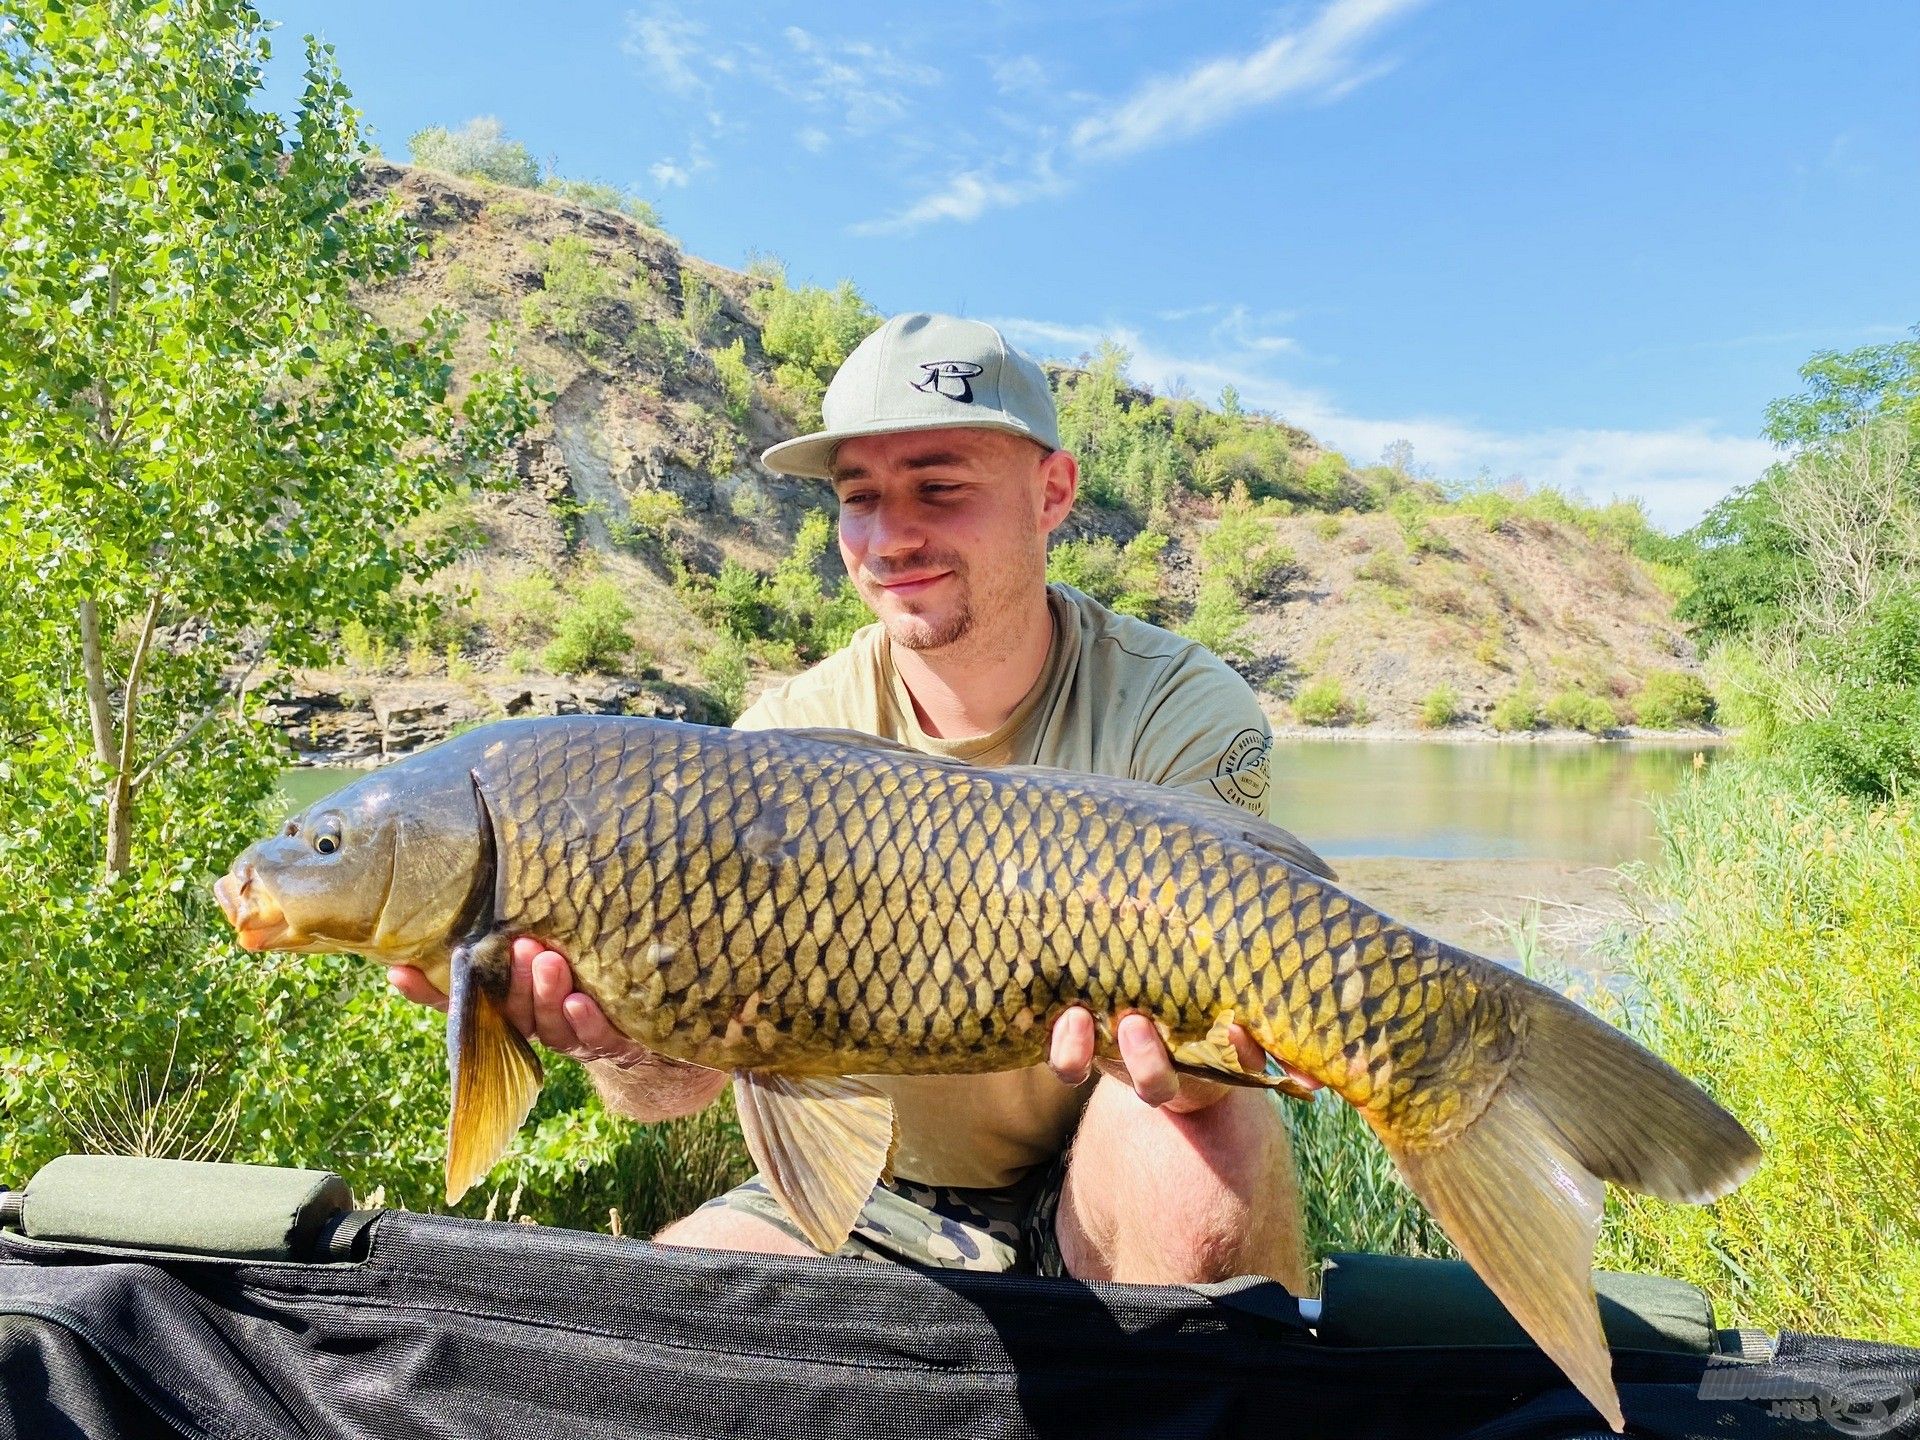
496, 1079
1520, 1190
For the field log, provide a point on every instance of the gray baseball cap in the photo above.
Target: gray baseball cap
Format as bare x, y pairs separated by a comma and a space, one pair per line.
925, 372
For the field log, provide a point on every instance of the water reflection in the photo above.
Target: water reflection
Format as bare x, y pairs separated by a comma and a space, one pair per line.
1585, 803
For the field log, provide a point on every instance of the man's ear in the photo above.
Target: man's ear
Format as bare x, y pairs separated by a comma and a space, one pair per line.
1059, 484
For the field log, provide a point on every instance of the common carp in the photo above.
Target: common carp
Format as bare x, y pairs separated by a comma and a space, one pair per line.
802, 908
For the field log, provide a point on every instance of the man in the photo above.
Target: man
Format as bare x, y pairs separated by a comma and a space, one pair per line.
942, 447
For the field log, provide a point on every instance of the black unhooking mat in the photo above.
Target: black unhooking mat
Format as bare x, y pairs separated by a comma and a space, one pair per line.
401, 1325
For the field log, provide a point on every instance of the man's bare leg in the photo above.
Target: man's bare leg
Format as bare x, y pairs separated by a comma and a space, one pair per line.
719, 1228
1155, 1196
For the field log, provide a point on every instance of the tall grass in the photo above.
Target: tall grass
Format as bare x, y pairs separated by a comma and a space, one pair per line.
1782, 970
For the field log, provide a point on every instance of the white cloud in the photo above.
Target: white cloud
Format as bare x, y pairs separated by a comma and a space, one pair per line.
666, 41
813, 139
1316, 60
1677, 472
967, 196
668, 173
1018, 74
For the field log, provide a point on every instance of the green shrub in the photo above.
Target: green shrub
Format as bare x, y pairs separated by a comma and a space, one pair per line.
736, 380
815, 619
1439, 707
529, 604
1382, 569
808, 333
724, 668
1671, 698
1218, 618
699, 306
1327, 527
1124, 578
1241, 550
651, 512
1517, 710
478, 149
592, 632
1577, 710
364, 647
1867, 741
1322, 702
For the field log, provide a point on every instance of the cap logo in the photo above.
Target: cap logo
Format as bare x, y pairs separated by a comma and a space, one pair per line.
951, 378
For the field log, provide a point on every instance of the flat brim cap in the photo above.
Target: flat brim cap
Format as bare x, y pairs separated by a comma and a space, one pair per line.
925, 372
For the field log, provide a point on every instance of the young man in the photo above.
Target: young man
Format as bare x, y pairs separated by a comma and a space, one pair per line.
942, 447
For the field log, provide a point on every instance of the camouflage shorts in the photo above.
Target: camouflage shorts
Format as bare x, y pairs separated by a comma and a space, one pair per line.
1010, 1229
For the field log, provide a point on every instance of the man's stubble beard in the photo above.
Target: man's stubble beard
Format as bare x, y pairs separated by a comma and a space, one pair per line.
975, 620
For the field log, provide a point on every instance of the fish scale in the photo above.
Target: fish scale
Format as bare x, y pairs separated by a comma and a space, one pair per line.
806, 908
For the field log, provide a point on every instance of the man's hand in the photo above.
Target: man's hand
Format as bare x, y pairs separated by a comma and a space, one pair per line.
542, 1005
1145, 1064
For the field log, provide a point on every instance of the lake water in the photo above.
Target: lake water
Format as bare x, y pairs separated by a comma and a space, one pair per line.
1579, 803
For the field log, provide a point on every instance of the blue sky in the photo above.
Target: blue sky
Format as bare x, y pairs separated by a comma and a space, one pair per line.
1583, 241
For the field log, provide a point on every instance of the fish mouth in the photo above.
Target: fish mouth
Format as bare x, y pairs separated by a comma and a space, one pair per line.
257, 919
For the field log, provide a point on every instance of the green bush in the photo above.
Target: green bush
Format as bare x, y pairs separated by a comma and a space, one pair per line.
699, 306
1124, 578
1867, 741
1577, 710
1322, 702
478, 149
528, 607
1242, 551
1671, 698
592, 631
1439, 707
808, 332
1518, 710
1217, 620
724, 668
813, 618
736, 380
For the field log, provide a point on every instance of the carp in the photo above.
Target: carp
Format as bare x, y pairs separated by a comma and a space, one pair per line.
803, 908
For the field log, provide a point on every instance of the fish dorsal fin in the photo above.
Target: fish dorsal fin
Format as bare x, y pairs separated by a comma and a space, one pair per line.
496, 1076
822, 1143
860, 740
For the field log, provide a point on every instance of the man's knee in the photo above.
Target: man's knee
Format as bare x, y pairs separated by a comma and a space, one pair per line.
1181, 1199
718, 1227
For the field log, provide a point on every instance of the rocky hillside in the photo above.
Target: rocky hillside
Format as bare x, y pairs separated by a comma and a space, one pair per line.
645, 562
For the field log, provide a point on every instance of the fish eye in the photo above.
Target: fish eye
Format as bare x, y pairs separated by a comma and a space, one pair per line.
326, 844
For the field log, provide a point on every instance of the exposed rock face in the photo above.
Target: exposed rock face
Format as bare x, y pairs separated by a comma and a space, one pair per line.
329, 721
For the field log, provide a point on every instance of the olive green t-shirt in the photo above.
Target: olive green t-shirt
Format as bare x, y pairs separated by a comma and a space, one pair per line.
1117, 696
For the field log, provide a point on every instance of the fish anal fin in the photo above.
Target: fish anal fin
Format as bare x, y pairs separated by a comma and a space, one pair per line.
822, 1143
1212, 1057
496, 1077
1525, 1214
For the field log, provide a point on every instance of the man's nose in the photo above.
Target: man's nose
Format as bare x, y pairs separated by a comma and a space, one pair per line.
893, 530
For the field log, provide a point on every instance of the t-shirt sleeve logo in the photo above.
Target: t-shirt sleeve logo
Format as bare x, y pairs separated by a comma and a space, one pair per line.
951, 378
1241, 776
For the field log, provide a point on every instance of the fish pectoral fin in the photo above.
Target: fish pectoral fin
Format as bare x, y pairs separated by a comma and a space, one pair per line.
1525, 1214
496, 1079
822, 1143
